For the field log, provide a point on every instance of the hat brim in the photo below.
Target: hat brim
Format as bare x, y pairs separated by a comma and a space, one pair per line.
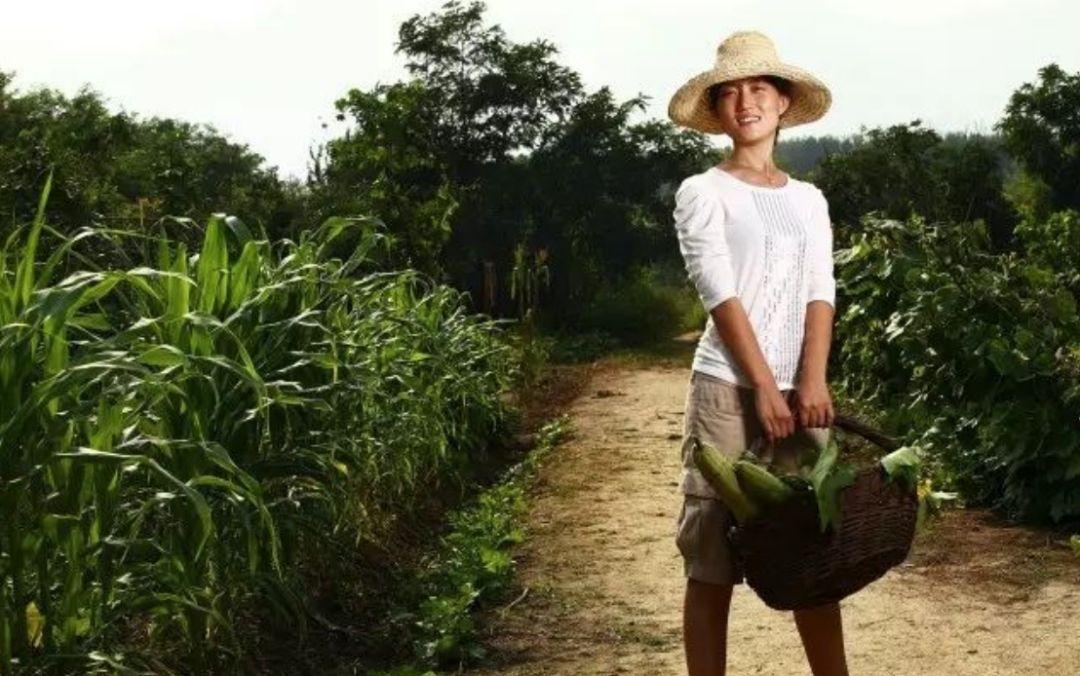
689, 107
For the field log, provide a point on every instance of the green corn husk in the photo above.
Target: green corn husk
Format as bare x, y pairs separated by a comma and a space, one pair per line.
720, 473
760, 485
903, 465
828, 477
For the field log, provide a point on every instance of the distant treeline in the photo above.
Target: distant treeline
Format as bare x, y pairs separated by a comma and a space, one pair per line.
492, 145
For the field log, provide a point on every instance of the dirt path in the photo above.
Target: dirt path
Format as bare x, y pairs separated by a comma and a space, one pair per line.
601, 587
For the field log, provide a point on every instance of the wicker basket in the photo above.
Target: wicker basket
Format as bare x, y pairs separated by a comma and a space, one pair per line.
791, 564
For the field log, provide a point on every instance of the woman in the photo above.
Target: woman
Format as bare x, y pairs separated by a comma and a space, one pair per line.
757, 245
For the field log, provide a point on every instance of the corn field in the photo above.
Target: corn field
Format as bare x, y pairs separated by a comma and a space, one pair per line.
173, 431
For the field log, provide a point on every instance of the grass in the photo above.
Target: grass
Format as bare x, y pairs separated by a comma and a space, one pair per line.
472, 568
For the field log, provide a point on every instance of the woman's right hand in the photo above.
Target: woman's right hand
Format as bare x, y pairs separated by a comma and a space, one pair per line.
773, 411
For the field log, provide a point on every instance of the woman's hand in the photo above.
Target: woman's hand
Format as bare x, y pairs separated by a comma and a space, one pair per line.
776, 418
813, 404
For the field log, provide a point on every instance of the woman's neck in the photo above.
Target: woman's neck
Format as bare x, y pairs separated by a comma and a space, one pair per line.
754, 158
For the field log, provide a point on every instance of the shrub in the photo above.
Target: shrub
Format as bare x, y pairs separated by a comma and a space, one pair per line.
975, 355
651, 304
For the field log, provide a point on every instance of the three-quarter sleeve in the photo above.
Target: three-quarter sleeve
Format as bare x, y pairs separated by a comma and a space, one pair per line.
821, 281
699, 222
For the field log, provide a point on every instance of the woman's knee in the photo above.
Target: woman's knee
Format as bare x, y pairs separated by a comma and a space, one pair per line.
710, 592
826, 612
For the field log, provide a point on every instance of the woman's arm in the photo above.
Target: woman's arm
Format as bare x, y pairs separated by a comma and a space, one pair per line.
816, 341
813, 402
699, 224
699, 220
733, 325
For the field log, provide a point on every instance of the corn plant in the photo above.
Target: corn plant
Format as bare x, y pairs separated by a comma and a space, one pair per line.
174, 434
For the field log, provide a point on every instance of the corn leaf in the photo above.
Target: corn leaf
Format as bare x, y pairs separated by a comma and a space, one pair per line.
903, 465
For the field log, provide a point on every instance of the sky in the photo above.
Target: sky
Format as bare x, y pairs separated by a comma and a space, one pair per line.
266, 73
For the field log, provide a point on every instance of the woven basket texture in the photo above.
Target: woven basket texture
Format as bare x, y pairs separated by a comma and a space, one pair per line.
791, 564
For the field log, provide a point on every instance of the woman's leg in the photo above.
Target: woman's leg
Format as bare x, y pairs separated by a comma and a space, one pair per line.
711, 573
705, 627
717, 413
822, 633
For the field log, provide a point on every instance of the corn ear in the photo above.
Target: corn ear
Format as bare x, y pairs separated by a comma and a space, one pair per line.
720, 473
760, 485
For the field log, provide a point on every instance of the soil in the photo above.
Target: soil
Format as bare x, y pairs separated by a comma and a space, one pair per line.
600, 583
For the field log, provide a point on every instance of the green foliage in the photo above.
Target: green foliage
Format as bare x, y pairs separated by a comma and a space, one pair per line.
1052, 251
972, 352
903, 465
527, 278
118, 170
801, 155
420, 152
904, 170
615, 182
533, 351
1041, 129
1029, 195
176, 434
491, 145
645, 307
496, 96
572, 348
828, 477
473, 567
390, 165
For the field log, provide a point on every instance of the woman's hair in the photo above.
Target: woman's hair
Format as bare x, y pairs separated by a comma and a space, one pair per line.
783, 85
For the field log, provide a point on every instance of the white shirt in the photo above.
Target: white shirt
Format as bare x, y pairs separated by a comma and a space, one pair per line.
770, 247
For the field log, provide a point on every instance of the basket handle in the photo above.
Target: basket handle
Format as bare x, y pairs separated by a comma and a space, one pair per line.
871, 434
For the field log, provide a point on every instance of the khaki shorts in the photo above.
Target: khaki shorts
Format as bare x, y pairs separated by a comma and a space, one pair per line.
723, 415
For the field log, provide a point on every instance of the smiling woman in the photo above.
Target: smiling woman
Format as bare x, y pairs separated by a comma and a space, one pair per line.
721, 89
758, 248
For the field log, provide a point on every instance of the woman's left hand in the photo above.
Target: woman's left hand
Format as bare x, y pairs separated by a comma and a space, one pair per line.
812, 403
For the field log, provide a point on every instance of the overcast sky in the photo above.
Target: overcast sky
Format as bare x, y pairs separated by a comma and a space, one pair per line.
266, 72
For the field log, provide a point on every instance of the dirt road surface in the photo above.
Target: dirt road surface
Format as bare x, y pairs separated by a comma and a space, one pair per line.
600, 584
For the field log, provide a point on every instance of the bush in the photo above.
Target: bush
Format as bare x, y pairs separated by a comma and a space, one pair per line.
975, 355
652, 304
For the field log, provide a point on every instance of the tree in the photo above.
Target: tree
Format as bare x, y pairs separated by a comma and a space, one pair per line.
493, 97
603, 192
1041, 128
524, 155
388, 166
116, 169
419, 151
903, 170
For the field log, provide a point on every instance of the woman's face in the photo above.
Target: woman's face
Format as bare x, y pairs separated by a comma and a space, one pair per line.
750, 108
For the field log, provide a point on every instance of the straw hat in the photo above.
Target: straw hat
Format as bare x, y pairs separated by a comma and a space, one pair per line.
746, 54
